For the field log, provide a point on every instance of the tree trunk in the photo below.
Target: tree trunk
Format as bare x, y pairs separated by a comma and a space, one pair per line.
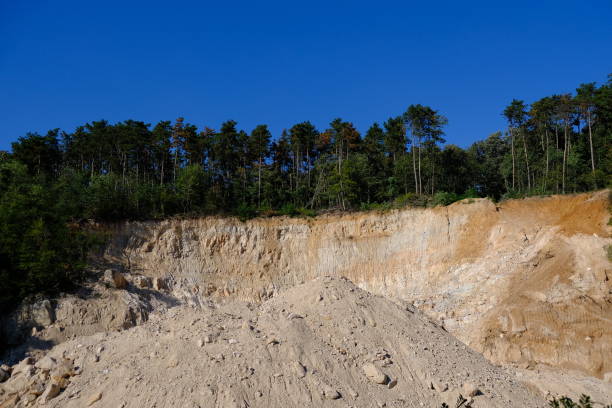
175, 163
433, 175
546, 176
591, 143
161, 177
308, 164
513, 160
420, 180
565, 147
416, 181
526, 161
259, 185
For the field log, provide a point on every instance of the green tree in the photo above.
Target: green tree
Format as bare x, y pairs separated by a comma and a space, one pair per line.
260, 149
516, 114
39, 250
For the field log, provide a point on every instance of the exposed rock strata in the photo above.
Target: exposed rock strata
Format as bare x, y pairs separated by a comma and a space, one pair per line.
524, 281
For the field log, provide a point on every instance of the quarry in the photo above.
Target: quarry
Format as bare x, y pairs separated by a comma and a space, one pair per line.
478, 304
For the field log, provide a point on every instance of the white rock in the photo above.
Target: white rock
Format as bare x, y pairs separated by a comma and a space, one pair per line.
374, 374
46, 363
51, 392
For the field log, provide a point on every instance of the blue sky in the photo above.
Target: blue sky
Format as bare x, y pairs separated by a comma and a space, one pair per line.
63, 63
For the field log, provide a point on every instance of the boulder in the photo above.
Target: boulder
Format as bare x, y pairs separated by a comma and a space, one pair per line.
438, 385
94, 398
42, 313
16, 383
4, 375
374, 374
142, 282
46, 363
63, 369
299, 369
159, 284
331, 393
51, 392
10, 402
470, 390
115, 279
23, 366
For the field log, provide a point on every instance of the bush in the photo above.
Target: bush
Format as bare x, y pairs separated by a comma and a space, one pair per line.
246, 212
444, 198
510, 195
375, 206
291, 210
566, 402
410, 200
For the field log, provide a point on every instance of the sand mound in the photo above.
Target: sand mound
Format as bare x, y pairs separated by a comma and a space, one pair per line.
323, 343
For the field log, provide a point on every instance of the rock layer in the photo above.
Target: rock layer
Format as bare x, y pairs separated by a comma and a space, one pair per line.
524, 281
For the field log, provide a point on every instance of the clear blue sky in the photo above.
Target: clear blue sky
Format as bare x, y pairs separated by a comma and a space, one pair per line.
63, 63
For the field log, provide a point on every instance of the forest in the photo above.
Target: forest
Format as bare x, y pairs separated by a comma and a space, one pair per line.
51, 184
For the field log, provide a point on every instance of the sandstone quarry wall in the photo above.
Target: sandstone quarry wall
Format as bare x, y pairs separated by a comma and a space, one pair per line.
524, 281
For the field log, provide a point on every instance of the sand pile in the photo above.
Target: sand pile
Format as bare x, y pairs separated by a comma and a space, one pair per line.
322, 343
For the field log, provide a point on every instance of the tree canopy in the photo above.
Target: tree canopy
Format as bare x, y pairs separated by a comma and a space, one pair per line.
134, 170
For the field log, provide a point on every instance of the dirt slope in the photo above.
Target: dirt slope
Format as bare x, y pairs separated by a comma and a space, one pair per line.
305, 347
525, 281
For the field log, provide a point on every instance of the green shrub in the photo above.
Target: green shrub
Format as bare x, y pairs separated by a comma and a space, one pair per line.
375, 206
566, 402
289, 209
306, 212
410, 200
292, 210
444, 198
246, 212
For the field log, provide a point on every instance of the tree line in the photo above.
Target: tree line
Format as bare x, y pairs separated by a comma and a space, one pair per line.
133, 170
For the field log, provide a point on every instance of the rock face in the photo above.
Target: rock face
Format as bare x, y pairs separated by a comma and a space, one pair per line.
318, 360
525, 281
29, 315
99, 308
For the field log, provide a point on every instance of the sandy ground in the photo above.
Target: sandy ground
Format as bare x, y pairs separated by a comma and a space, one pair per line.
322, 343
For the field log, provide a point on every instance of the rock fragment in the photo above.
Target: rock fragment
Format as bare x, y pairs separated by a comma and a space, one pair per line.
142, 282
471, 390
115, 279
94, 398
331, 393
46, 363
438, 385
11, 401
24, 365
374, 374
299, 369
159, 284
4, 375
51, 392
